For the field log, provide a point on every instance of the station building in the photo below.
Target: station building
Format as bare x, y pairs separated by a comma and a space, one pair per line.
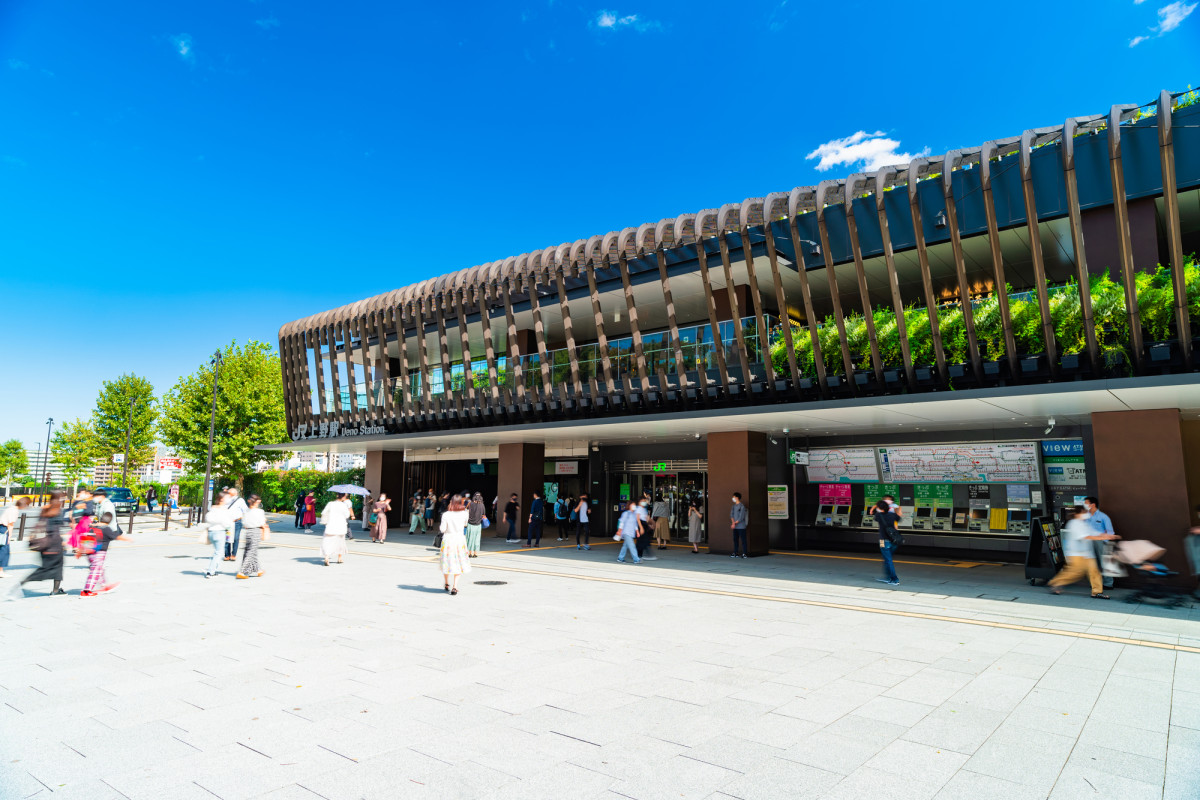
989, 335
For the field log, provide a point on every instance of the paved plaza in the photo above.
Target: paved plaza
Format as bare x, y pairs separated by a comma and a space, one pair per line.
694, 676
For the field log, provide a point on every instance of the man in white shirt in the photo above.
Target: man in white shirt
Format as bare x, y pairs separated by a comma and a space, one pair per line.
104, 505
1077, 540
237, 509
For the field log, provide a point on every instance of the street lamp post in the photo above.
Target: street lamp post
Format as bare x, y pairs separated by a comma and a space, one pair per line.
45, 459
216, 362
128, 432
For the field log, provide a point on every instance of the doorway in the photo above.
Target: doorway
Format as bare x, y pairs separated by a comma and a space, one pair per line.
676, 488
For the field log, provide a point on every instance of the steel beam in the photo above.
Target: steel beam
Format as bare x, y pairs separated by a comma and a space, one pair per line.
1166, 153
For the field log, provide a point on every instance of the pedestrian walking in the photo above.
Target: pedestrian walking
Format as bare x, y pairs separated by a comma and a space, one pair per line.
101, 504
583, 527
151, 499
510, 516
561, 512
536, 518
1077, 545
661, 513
889, 540
416, 513
83, 511
378, 519
310, 512
9, 518
695, 524
299, 507
476, 515
237, 509
104, 534
368, 521
646, 528
49, 544
1101, 523
256, 529
218, 523
739, 516
629, 528
453, 553
336, 518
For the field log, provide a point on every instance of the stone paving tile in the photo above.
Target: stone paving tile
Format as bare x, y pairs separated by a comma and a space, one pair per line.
338, 684
1078, 783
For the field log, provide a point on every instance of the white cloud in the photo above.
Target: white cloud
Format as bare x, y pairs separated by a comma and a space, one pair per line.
268, 23
16, 63
611, 21
1172, 15
867, 151
1135, 41
183, 46
1138, 2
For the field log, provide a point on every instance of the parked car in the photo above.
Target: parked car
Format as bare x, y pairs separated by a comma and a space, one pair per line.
122, 499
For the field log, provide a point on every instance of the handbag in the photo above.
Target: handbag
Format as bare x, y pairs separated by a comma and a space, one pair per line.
484, 523
437, 540
373, 518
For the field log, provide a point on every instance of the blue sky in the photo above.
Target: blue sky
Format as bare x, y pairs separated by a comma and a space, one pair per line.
177, 175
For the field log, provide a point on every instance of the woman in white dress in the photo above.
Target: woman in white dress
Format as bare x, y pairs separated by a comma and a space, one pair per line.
454, 543
336, 519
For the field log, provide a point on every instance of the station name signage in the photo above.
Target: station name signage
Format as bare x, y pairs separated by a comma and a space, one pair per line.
335, 430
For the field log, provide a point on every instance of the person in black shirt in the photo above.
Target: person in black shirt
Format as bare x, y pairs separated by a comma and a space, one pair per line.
889, 539
537, 515
511, 512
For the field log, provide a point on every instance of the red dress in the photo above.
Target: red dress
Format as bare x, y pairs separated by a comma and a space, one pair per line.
310, 511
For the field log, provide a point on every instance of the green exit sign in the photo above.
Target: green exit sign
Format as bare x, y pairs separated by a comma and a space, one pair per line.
798, 458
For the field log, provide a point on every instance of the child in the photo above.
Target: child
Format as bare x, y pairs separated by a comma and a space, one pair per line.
101, 538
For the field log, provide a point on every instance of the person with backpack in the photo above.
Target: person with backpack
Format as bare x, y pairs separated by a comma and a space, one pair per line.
299, 506
560, 516
889, 540
100, 539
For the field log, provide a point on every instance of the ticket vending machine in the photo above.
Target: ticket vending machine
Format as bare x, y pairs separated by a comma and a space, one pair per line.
941, 519
841, 516
923, 519
1018, 520
824, 515
977, 519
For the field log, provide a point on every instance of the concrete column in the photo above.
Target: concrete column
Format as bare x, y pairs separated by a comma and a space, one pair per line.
385, 473
521, 470
737, 462
1142, 479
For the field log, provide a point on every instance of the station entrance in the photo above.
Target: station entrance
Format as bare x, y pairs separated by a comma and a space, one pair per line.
678, 483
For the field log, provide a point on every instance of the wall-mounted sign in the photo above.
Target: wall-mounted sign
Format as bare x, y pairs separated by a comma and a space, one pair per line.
334, 429
478, 469
1018, 494
874, 492
777, 502
847, 464
834, 494
1015, 462
170, 463
566, 468
798, 458
933, 495
1063, 463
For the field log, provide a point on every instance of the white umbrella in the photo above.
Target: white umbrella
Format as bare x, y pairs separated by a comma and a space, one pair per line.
349, 488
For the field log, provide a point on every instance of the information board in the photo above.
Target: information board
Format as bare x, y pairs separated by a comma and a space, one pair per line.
845, 465
833, 494
874, 492
777, 502
1015, 462
1063, 461
933, 495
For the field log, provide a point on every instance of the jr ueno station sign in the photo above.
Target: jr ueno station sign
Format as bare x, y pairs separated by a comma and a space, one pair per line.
335, 430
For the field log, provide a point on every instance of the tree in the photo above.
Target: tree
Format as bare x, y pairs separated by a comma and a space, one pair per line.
249, 411
13, 463
110, 419
74, 446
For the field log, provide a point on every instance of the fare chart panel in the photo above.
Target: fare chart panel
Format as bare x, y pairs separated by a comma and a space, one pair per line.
843, 465
1015, 462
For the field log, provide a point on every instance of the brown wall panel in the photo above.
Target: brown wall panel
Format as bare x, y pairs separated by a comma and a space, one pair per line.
737, 462
1141, 477
521, 470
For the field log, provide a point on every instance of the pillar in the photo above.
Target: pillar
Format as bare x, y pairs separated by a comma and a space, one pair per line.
385, 473
521, 470
1141, 478
737, 462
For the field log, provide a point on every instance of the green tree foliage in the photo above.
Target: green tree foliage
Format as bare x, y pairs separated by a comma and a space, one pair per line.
278, 488
249, 406
75, 448
111, 419
14, 461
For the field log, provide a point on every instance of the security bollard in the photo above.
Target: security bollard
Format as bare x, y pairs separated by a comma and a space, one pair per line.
166, 516
21, 530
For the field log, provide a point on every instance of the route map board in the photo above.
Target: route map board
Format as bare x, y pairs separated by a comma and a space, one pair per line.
844, 465
961, 463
